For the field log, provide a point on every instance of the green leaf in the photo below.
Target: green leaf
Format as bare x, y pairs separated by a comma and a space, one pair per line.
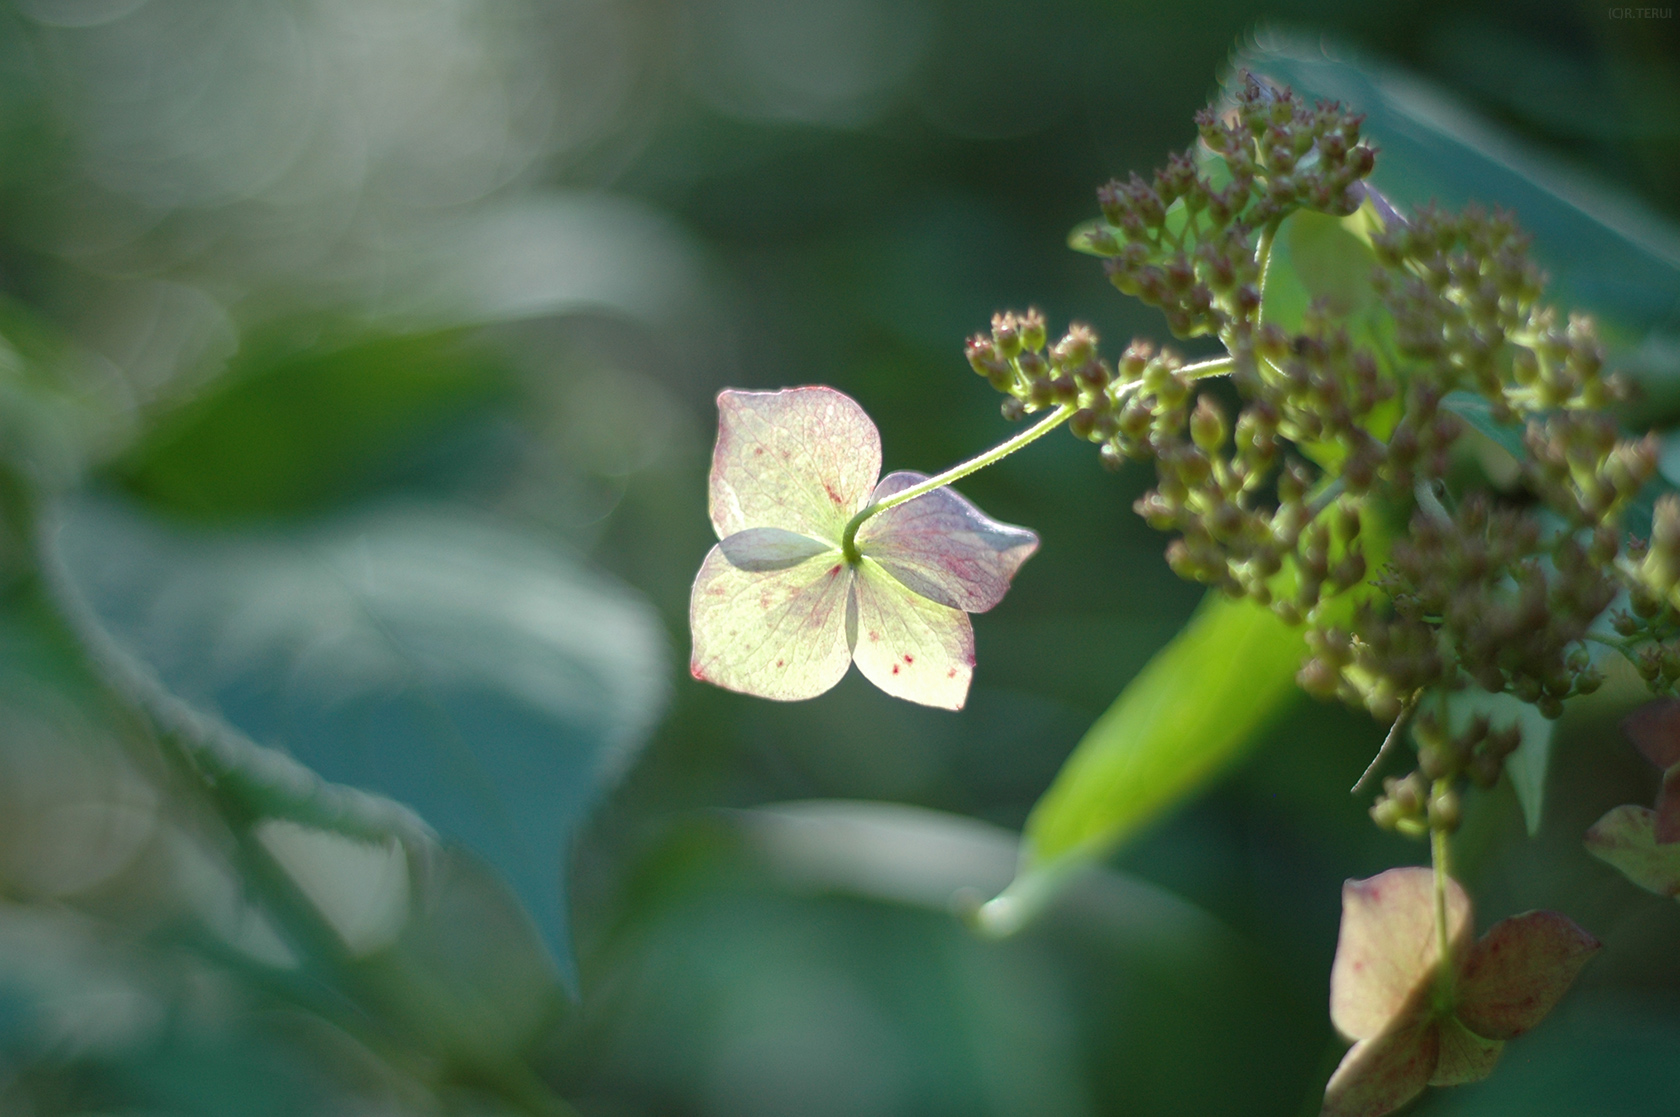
437, 658
1187, 716
1319, 257
1478, 413
298, 420
1526, 767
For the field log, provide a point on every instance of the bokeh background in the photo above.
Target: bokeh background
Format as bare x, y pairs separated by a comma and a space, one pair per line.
366, 350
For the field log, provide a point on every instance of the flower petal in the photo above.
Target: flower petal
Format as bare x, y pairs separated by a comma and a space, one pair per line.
763, 549
943, 547
1654, 729
802, 459
1626, 838
1667, 828
1387, 954
1465, 1056
909, 646
1518, 972
1380, 1075
777, 633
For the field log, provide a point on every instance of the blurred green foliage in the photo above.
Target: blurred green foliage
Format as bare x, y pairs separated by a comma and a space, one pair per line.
360, 360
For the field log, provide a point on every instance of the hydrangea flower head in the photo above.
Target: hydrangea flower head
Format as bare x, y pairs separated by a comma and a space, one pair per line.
1410, 1029
780, 611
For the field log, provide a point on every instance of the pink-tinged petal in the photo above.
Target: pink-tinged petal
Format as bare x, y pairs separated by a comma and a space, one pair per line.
1666, 828
1465, 1056
777, 633
802, 459
1626, 838
1519, 971
1654, 729
1387, 952
909, 646
943, 547
1380, 1075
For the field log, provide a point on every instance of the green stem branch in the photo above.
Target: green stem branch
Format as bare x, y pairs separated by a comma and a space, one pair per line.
848, 539
1388, 743
1438, 857
1263, 259
1213, 366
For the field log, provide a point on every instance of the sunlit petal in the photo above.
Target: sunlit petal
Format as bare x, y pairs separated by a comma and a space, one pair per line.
803, 460
909, 646
1387, 953
1519, 970
777, 633
943, 547
1464, 1055
1380, 1075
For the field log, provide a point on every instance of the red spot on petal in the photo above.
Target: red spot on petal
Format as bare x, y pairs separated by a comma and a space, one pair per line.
951, 674
832, 495
895, 668
833, 572
909, 659
873, 635
757, 450
778, 663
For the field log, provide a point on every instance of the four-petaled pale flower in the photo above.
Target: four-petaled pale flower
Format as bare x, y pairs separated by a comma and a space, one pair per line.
778, 610
1411, 1030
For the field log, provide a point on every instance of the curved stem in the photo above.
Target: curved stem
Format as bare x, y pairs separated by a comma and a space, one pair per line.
848, 539
1263, 259
1213, 366
1388, 743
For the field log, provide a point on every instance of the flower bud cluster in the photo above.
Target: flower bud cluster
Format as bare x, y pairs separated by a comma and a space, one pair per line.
1347, 432
1650, 624
1483, 596
1130, 409
1185, 240
1414, 806
1465, 300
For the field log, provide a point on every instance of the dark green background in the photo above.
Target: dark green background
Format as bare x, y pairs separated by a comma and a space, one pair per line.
241, 220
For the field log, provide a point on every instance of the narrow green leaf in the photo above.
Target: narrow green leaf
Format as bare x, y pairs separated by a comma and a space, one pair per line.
1186, 717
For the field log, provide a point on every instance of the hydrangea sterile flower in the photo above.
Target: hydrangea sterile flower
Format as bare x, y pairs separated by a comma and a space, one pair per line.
1410, 1028
1641, 842
780, 609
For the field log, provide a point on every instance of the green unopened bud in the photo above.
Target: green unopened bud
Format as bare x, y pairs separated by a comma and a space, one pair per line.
1207, 425
1006, 334
1032, 329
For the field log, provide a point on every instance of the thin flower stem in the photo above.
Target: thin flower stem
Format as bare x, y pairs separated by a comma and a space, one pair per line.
1438, 856
1214, 366
1263, 257
1388, 743
848, 539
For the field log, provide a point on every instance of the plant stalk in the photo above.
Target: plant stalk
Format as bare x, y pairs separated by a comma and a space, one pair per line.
848, 539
